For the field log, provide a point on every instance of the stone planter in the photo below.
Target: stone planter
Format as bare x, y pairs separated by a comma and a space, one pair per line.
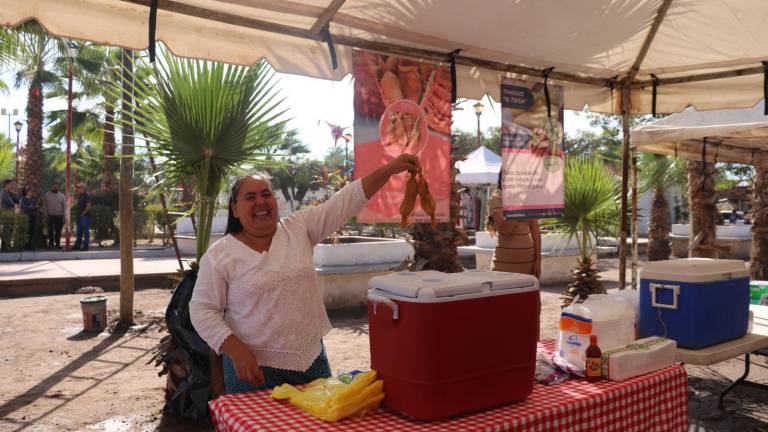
352, 251
344, 268
185, 234
737, 239
551, 243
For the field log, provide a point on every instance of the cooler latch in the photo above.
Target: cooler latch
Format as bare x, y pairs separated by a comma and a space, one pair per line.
376, 299
675, 294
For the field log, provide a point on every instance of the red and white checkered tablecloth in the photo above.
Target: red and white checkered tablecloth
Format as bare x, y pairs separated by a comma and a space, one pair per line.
654, 402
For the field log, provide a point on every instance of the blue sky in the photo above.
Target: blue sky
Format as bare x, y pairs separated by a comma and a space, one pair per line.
312, 102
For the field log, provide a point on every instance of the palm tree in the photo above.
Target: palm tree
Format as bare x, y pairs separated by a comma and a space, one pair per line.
591, 211
702, 199
32, 52
759, 260
97, 69
205, 119
656, 172
296, 180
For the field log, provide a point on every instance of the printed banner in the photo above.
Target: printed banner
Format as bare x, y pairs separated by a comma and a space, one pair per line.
402, 106
532, 150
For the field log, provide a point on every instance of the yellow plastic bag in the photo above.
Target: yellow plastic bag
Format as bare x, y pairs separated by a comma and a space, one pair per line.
332, 400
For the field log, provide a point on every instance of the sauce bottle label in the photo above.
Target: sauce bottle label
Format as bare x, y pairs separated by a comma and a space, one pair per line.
594, 367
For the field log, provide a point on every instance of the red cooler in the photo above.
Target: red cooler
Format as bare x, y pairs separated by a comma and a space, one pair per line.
446, 344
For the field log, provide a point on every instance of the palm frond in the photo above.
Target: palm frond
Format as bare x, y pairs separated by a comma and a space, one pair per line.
655, 171
591, 203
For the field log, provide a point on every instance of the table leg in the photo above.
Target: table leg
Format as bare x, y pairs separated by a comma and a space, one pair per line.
721, 400
741, 380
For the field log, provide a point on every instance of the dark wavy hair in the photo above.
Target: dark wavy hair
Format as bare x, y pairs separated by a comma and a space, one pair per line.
490, 224
233, 223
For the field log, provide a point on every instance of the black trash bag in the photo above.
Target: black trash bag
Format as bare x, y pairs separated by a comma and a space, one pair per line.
194, 391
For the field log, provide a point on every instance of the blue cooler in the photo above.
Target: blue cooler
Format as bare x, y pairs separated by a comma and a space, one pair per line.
697, 302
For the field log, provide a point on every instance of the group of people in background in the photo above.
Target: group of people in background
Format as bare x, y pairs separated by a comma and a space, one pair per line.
51, 208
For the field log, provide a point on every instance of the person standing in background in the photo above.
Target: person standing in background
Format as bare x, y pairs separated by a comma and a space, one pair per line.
8, 199
54, 208
519, 246
30, 206
83, 218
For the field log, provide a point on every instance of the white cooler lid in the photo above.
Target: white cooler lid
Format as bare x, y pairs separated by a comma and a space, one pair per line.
695, 270
432, 284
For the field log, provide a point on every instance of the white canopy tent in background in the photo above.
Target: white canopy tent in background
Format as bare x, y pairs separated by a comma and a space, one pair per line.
731, 135
481, 167
702, 53
728, 135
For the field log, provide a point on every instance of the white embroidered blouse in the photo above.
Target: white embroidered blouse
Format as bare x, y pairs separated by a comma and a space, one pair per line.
271, 301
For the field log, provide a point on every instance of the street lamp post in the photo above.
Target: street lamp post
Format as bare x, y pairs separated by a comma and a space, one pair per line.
8, 112
17, 125
478, 111
479, 211
347, 138
72, 55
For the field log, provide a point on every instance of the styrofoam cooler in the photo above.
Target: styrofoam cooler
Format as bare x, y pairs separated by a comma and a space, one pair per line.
698, 302
447, 344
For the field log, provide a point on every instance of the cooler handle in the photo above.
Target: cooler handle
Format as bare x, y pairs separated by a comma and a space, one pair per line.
675, 293
376, 299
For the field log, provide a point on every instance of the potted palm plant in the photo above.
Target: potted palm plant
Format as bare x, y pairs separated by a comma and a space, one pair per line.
204, 120
591, 211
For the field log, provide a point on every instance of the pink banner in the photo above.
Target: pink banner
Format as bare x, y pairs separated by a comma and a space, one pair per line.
532, 150
402, 106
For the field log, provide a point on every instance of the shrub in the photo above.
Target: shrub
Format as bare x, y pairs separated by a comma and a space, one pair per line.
141, 223
14, 229
103, 222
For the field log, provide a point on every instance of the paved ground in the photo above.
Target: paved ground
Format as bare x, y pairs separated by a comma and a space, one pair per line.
82, 268
53, 377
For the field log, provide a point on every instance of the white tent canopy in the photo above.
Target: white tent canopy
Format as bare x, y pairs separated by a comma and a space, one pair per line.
588, 42
729, 135
481, 167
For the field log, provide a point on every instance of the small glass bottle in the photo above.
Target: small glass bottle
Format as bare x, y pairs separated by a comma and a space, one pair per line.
594, 366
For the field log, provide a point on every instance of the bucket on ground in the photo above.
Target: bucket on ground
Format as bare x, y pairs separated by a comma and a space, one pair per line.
94, 313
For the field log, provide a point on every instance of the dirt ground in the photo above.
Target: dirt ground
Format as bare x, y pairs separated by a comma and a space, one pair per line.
54, 377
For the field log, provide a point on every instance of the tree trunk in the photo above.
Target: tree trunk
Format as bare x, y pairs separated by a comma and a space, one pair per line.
759, 261
435, 248
658, 231
126, 195
108, 143
33, 164
701, 204
188, 201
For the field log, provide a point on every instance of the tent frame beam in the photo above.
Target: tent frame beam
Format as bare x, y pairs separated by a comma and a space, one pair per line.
437, 56
689, 150
701, 77
326, 16
354, 42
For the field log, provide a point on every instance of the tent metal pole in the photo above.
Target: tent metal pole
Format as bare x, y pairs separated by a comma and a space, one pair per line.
625, 106
634, 220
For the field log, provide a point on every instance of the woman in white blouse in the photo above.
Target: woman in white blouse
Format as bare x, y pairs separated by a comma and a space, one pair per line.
257, 299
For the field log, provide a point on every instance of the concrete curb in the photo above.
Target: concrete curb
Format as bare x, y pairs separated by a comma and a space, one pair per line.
82, 255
